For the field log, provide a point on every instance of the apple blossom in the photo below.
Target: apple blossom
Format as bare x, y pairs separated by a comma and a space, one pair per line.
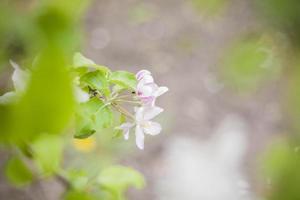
143, 124
147, 89
20, 78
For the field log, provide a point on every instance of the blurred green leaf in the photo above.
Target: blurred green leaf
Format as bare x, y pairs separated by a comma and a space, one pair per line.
281, 167
17, 172
248, 63
124, 79
284, 15
78, 179
79, 195
48, 103
117, 179
210, 7
47, 153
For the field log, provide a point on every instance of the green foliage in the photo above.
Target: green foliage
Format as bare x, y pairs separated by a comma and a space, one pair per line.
96, 80
48, 151
35, 119
124, 79
210, 8
284, 15
92, 116
117, 179
248, 63
17, 172
38, 110
282, 168
79, 195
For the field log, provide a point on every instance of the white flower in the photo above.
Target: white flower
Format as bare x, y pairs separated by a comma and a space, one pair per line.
20, 78
147, 89
81, 95
143, 124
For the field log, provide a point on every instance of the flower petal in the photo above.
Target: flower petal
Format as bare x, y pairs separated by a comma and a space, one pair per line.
81, 95
144, 90
139, 113
139, 137
153, 128
147, 79
19, 77
126, 128
141, 74
161, 91
8, 97
151, 112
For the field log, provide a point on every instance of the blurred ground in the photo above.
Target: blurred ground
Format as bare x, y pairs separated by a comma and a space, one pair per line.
212, 135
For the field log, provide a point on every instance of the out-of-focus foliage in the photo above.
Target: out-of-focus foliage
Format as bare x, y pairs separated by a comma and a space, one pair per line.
281, 164
209, 8
282, 161
42, 36
117, 179
284, 15
250, 62
292, 102
17, 172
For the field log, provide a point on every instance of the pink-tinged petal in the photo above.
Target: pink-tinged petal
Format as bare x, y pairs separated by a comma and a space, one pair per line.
145, 91
139, 137
151, 112
147, 79
152, 128
161, 91
148, 101
141, 74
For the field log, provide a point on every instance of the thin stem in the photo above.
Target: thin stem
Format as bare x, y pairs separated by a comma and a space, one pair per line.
124, 96
122, 110
127, 101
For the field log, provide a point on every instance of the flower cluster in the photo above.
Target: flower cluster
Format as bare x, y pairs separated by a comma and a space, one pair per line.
147, 92
101, 94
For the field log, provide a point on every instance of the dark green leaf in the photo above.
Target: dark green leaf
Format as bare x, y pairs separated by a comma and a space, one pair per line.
96, 80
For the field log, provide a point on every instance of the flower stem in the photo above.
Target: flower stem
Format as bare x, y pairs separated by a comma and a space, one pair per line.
122, 110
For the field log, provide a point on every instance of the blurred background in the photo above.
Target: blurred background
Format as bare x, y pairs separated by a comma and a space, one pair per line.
231, 121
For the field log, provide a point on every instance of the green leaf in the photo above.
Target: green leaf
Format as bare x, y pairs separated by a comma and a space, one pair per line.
47, 152
80, 61
118, 132
124, 79
48, 104
78, 179
117, 179
92, 116
103, 118
248, 63
78, 195
96, 80
17, 172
